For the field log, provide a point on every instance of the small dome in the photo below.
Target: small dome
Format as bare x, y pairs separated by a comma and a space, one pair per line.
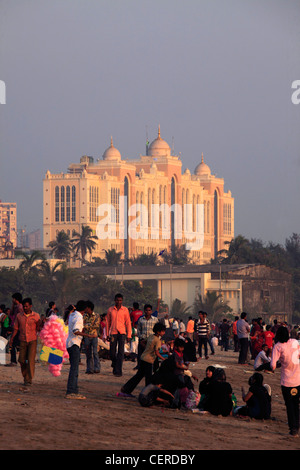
159, 147
202, 169
111, 153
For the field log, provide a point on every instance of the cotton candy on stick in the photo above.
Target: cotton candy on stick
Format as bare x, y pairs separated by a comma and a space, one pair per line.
54, 335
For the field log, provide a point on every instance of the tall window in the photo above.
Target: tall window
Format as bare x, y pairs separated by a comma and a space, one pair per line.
160, 203
62, 203
216, 221
142, 209
56, 204
183, 210
68, 204
73, 203
115, 203
153, 211
149, 207
227, 219
94, 203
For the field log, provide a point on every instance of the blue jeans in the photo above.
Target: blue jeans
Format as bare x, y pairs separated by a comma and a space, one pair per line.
74, 356
117, 344
92, 356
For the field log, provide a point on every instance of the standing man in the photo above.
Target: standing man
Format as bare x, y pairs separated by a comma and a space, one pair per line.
202, 333
118, 326
75, 324
243, 330
27, 324
209, 334
91, 323
145, 329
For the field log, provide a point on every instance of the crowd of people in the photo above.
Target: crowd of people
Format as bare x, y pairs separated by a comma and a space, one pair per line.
163, 349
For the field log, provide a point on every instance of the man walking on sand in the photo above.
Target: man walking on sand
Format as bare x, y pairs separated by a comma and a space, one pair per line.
27, 324
118, 326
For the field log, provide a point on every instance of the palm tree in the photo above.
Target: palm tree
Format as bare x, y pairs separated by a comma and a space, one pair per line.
238, 251
61, 247
29, 263
213, 304
67, 283
47, 276
180, 309
178, 255
144, 260
113, 257
84, 242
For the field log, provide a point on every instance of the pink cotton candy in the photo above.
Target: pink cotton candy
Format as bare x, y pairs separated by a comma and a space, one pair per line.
54, 335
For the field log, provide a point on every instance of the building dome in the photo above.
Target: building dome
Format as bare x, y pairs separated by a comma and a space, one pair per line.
111, 153
202, 169
159, 147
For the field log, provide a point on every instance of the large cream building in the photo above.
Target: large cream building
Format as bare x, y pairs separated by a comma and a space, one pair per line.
118, 198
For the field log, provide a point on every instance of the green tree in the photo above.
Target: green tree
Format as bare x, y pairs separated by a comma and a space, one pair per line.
61, 247
29, 263
180, 309
144, 260
177, 255
113, 257
84, 242
213, 304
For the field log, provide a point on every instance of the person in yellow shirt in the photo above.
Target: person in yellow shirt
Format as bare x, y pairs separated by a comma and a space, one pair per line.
148, 357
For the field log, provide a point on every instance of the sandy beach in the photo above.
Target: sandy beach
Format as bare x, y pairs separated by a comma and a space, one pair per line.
40, 418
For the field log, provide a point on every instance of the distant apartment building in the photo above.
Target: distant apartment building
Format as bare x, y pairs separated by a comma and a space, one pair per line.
8, 229
135, 199
33, 240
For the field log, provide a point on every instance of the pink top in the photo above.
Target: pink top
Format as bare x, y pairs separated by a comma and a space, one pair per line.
288, 355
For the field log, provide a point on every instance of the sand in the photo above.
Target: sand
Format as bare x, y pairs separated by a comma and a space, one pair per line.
40, 418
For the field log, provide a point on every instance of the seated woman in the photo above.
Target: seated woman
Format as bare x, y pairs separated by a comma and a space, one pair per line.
257, 399
219, 395
204, 386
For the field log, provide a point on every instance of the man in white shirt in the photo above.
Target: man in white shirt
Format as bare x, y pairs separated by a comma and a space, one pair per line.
75, 324
243, 330
262, 360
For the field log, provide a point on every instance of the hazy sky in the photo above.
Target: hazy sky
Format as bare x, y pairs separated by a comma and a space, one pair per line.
216, 75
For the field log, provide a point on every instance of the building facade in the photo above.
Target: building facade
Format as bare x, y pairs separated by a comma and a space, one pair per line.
8, 229
139, 206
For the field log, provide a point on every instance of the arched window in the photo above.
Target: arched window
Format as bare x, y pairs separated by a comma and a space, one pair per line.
160, 203
149, 207
56, 204
73, 203
194, 213
126, 206
142, 209
208, 217
62, 203
153, 210
68, 216
173, 201
216, 221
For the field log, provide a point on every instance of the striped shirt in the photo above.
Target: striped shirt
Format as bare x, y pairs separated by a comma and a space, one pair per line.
202, 328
